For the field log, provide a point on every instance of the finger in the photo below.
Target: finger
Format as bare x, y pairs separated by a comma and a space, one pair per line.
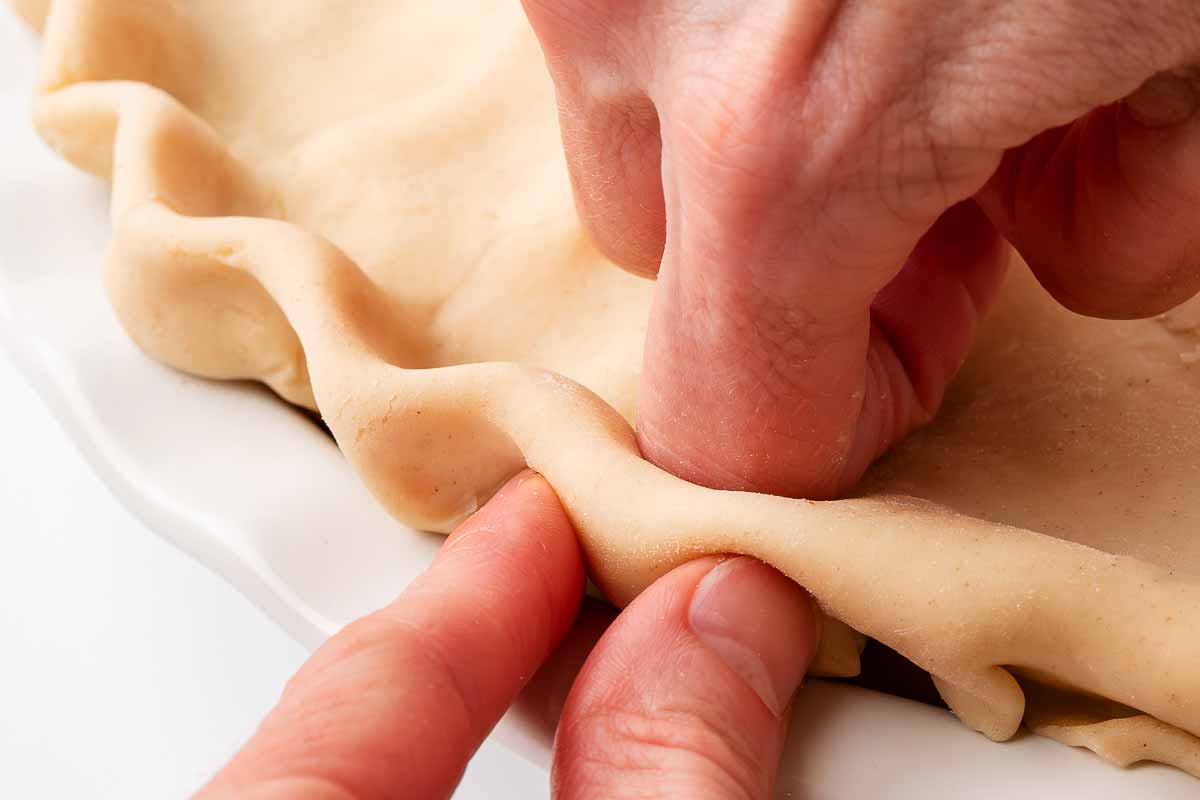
687, 694
922, 327
789, 404
610, 128
395, 704
543, 700
1104, 210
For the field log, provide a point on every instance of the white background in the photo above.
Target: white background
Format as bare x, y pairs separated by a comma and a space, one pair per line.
127, 670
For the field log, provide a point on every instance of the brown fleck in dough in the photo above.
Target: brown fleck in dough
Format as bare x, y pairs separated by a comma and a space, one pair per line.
315, 196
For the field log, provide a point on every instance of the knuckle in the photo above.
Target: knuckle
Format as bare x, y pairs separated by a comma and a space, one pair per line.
582, 26
672, 748
384, 652
733, 162
732, 89
565, 15
729, 129
358, 640
904, 170
925, 142
310, 787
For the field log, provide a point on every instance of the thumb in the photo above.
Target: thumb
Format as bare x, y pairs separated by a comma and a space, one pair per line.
687, 694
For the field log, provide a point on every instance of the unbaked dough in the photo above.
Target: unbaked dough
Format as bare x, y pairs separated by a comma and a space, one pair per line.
364, 205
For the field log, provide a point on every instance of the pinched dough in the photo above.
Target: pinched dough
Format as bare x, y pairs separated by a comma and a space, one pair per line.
364, 205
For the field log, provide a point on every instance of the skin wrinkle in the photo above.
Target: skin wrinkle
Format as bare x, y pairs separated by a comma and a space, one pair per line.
904, 122
774, 335
662, 787
697, 461
655, 713
314, 760
771, 376
956, 267
787, 334
637, 149
517, 633
311, 787
478, 544
401, 634
905, 382
873, 424
685, 743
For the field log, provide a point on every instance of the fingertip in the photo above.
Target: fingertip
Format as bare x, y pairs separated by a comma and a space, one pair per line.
1101, 211
1165, 100
632, 254
760, 623
613, 149
525, 505
523, 536
619, 198
691, 686
509, 499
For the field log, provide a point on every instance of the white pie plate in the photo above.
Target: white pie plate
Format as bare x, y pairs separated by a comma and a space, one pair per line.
258, 494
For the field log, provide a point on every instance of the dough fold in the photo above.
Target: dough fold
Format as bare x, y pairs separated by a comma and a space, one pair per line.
313, 196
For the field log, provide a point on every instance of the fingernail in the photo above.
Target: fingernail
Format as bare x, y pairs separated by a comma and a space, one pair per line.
760, 623
507, 488
1167, 99
516, 481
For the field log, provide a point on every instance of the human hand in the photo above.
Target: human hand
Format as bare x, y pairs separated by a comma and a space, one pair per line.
832, 182
686, 694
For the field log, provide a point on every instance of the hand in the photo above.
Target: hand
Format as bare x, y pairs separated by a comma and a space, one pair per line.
832, 181
686, 694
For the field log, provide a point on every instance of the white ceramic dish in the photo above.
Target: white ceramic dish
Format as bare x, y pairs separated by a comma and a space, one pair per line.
257, 493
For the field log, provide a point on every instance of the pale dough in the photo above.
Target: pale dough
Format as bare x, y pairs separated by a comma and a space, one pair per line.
32, 11
364, 205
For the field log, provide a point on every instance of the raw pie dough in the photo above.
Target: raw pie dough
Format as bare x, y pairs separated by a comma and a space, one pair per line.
363, 204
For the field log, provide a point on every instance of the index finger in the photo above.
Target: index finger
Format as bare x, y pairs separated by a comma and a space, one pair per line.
395, 705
